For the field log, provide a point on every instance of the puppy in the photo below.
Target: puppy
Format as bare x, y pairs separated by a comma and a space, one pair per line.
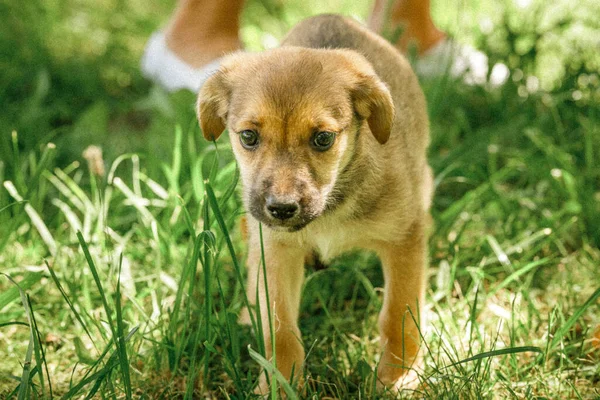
330, 133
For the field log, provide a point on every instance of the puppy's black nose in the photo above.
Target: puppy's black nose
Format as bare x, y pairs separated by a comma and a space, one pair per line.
282, 209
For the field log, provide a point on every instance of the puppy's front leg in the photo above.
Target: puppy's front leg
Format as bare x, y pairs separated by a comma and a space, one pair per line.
405, 273
285, 274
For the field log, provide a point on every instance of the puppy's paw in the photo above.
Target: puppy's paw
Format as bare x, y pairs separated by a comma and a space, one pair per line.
244, 318
393, 376
408, 381
263, 388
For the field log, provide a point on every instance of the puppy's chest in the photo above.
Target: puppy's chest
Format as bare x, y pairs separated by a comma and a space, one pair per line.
332, 241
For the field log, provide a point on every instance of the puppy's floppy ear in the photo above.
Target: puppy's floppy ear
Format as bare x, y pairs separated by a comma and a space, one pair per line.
373, 102
213, 102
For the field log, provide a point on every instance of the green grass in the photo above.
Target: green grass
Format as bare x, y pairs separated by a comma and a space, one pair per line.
128, 284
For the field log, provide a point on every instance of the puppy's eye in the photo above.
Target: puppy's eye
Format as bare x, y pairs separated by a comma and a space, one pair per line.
322, 141
249, 139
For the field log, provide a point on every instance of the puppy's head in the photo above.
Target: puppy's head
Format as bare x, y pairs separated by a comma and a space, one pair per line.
295, 118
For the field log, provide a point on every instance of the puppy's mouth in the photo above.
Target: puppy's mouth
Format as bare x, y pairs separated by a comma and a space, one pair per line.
281, 218
292, 225
283, 228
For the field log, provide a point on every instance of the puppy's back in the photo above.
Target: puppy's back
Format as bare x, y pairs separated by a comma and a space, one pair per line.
338, 32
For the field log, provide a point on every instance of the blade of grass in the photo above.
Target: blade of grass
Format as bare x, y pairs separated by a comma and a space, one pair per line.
473, 318
16, 203
40, 354
18, 171
214, 205
564, 329
274, 372
188, 273
32, 185
111, 363
3, 324
35, 218
196, 178
65, 191
173, 171
26, 374
187, 218
122, 349
232, 186
447, 217
74, 189
98, 282
71, 217
11, 294
136, 201
208, 243
273, 384
495, 353
234, 355
518, 273
45, 159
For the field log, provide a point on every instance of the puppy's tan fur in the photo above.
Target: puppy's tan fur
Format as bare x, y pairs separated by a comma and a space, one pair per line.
371, 189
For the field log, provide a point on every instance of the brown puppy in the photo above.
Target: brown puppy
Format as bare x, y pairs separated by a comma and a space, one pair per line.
330, 133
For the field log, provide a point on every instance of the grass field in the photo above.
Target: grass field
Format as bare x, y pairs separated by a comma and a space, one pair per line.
121, 274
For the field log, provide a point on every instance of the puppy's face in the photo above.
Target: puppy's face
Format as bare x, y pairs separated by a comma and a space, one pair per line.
294, 116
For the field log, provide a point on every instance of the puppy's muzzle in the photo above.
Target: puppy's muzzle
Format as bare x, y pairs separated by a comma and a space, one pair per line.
281, 209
